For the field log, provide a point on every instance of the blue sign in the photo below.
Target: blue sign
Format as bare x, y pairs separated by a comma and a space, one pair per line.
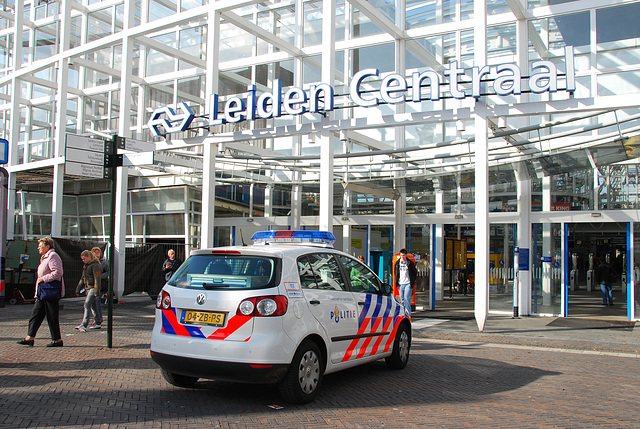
523, 261
546, 259
4, 151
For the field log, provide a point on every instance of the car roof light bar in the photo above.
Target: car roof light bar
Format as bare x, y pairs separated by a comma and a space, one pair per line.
291, 236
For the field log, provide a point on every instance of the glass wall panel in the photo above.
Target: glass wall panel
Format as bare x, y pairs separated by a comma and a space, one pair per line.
362, 25
617, 24
90, 226
501, 43
419, 244
90, 205
46, 42
619, 83
235, 81
158, 200
546, 287
380, 255
222, 236
37, 203
192, 43
70, 226
421, 13
381, 57
164, 224
69, 205
159, 62
235, 43
501, 267
312, 27
99, 24
161, 9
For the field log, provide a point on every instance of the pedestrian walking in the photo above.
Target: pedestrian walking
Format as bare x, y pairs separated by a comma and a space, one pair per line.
104, 271
405, 278
47, 305
604, 276
90, 283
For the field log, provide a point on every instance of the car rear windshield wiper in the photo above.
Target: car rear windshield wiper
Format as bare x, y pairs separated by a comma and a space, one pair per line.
210, 286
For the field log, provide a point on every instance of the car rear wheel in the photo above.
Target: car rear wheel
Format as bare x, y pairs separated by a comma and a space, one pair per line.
401, 346
178, 380
304, 377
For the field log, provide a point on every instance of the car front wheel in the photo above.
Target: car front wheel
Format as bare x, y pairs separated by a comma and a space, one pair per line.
401, 346
304, 377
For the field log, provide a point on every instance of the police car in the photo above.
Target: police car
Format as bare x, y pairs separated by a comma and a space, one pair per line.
287, 310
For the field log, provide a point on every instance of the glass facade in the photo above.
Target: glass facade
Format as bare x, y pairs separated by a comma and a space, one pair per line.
105, 67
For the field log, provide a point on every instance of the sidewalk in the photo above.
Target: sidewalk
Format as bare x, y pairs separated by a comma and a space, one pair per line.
588, 334
534, 371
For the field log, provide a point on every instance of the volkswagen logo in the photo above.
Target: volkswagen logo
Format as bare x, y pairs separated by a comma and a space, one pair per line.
201, 299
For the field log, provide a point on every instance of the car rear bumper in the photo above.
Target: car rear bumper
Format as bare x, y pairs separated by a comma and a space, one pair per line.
220, 370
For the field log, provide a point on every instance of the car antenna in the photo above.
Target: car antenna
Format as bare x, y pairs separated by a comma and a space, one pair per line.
242, 238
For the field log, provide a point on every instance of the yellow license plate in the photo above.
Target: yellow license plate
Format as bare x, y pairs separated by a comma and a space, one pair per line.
203, 317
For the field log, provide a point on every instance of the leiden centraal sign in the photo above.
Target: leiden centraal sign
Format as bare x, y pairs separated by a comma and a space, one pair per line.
502, 79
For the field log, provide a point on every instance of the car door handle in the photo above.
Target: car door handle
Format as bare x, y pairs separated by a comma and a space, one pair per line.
361, 303
314, 302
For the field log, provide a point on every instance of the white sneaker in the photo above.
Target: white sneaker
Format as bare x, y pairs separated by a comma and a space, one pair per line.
95, 326
81, 328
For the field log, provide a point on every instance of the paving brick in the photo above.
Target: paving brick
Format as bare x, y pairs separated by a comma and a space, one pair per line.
521, 373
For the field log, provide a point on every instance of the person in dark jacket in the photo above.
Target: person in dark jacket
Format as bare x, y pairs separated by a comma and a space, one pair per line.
170, 265
104, 269
406, 273
91, 283
604, 273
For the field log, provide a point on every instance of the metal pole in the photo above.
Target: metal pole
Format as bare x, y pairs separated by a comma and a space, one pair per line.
113, 166
4, 216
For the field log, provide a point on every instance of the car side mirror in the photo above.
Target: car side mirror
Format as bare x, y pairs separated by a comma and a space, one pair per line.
387, 289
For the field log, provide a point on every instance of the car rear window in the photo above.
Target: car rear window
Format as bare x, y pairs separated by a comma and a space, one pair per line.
227, 272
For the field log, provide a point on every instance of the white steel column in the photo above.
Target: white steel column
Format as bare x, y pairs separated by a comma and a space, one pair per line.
60, 121
209, 150
481, 175
523, 192
326, 138
437, 268
208, 195
524, 237
296, 175
120, 233
14, 136
400, 204
122, 173
547, 267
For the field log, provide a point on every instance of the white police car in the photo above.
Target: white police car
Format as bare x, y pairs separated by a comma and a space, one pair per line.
286, 310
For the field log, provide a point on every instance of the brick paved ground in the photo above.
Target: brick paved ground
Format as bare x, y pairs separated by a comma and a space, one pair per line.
456, 379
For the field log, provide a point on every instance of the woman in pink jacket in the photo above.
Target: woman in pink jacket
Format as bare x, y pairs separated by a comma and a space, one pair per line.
50, 269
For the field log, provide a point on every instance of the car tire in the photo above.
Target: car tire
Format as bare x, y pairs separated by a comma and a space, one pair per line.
304, 377
401, 347
178, 380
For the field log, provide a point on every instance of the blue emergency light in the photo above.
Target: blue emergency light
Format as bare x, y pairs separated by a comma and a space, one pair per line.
289, 236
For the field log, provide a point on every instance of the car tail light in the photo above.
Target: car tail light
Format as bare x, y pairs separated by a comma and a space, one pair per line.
263, 306
164, 301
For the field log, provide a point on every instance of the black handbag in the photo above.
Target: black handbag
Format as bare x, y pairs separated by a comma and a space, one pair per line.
51, 291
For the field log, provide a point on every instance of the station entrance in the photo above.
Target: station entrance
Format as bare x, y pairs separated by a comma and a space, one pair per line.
588, 244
